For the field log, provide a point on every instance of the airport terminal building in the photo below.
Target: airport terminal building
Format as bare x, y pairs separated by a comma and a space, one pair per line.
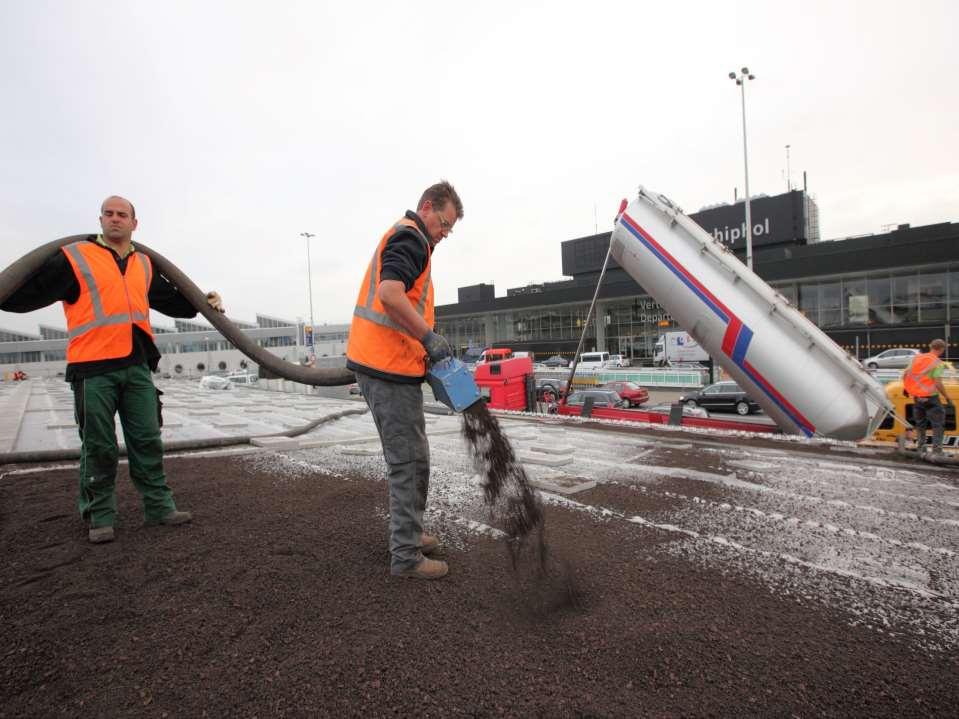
868, 293
188, 348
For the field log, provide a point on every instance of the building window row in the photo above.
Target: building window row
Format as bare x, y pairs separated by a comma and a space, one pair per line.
878, 300
631, 325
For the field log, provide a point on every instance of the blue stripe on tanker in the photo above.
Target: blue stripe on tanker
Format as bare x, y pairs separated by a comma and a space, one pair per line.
738, 335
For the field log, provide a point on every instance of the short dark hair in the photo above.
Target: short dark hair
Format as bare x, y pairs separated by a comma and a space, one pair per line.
133, 210
439, 194
937, 345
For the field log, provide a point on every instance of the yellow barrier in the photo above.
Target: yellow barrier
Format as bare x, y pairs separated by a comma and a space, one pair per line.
891, 428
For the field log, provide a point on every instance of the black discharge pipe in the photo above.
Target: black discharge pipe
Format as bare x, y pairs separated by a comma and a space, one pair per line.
181, 445
14, 276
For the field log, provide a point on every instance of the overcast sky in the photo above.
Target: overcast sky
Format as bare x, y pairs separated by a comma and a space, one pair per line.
235, 126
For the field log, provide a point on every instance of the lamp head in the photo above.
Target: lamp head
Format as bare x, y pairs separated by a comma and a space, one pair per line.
732, 76
745, 71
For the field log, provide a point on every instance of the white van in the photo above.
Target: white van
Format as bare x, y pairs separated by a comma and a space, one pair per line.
594, 360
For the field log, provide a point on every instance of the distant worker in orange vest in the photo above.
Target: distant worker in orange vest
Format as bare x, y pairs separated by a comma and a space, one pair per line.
108, 289
391, 340
922, 381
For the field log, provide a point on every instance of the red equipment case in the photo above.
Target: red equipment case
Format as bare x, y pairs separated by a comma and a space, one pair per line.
503, 384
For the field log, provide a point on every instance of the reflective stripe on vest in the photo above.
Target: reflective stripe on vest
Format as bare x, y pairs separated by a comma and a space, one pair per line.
378, 341
917, 380
366, 310
93, 321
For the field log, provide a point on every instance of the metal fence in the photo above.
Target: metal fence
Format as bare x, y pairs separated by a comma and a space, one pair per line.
644, 376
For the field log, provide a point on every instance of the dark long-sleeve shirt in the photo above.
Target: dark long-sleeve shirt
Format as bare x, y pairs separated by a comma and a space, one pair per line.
405, 257
55, 281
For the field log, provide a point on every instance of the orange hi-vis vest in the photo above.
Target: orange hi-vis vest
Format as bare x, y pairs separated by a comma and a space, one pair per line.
376, 341
916, 380
100, 323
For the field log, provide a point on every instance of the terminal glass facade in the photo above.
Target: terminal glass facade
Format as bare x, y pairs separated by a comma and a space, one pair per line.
922, 297
631, 325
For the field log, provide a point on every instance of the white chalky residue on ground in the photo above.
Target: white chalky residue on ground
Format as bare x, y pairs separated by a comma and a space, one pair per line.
870, 537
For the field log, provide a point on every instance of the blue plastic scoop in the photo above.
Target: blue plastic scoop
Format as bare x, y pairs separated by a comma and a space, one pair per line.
452, 384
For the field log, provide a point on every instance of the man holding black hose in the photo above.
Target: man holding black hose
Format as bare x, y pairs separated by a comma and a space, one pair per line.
108, 289
391, 340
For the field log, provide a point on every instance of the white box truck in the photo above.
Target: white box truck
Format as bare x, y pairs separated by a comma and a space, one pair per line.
677, 346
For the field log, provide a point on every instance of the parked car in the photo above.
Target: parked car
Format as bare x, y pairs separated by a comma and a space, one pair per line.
556, 361
212, 381
722, 396
688, 411
601, 398
355, 389
244, 378
618, 361
890, 359
593, 360
632, 394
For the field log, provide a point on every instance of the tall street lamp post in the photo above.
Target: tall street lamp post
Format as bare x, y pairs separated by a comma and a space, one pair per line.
309, 273
741, 81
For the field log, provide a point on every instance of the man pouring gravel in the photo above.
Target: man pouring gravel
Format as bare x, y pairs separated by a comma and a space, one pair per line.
391, 341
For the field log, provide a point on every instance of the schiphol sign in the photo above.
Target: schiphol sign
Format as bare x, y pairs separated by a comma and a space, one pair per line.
731, 236
775, 220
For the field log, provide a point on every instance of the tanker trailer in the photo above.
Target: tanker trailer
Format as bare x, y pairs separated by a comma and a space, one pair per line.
802, 379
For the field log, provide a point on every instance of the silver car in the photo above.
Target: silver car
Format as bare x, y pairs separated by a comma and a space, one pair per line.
890, 359
687, 410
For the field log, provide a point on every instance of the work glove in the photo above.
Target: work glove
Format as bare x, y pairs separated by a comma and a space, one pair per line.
436, 346
215, 301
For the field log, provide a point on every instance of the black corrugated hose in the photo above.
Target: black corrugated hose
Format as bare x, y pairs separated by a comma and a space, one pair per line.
19, 272
14, 276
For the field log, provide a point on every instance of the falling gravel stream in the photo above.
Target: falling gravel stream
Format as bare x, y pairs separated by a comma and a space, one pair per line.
544, 579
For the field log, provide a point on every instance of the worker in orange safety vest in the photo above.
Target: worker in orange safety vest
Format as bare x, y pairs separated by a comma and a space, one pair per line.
922, 381
390, 343
107, 289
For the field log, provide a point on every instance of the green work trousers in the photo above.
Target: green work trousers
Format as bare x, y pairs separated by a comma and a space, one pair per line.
97, 400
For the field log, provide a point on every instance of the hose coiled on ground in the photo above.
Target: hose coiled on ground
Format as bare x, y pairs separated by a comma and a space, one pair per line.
180, 445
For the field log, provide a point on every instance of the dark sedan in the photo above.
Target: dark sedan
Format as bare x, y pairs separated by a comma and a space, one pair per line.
600, 397
722, 397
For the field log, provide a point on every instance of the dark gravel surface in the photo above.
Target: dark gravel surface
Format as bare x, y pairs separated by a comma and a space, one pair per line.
277, 601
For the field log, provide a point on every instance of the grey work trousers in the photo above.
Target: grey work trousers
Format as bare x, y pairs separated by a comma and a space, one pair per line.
397, 410
928, 411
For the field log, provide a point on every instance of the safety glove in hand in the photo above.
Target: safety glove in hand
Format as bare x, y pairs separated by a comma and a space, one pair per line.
436, 346
215, 301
